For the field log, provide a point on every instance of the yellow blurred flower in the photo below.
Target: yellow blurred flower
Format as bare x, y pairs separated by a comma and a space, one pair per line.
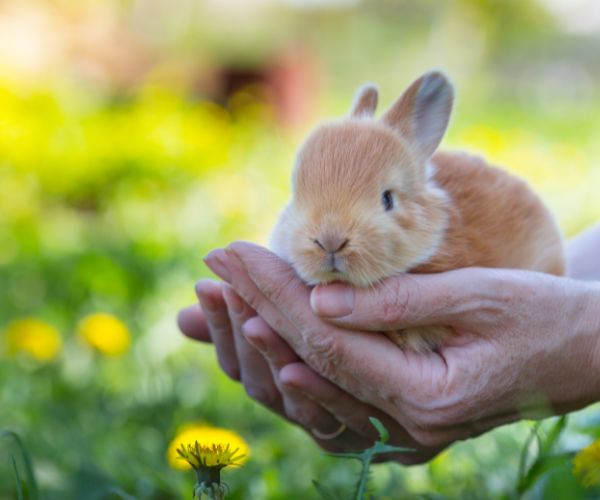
207, 461
586, 464
105, 333
34, 337
217, 445
214, 456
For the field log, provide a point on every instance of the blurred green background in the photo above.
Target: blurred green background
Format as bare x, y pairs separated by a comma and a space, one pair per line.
137, 135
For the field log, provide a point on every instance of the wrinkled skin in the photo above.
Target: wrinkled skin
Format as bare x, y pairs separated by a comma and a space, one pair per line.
525, 345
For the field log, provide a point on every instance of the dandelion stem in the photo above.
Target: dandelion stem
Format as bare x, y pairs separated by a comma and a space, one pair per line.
208, 475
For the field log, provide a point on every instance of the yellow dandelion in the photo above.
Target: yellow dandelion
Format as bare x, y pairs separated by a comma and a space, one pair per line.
105, 333
35, 338
215, 456
207, 436
586, 465
207, 462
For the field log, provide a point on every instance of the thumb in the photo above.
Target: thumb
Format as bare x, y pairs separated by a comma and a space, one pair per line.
405, 300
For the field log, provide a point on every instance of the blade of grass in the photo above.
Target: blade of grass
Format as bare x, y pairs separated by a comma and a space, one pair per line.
525, 452
553, 435
30, 477
543, 461
542, 465
17, 477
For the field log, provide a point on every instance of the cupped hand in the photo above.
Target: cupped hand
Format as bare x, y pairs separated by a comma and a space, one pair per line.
250, 351
525, 344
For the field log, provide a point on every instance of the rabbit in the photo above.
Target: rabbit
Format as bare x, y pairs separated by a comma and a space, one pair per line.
372, 198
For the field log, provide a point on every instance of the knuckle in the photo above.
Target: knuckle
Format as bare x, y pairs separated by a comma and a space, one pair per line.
503, 296
323, 352
399, 300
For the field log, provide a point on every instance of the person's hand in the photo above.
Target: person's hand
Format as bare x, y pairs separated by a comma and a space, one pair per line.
250, 351
526, 344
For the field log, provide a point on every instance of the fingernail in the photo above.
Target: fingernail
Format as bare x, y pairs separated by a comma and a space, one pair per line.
252, 335
332, 301
233, 300
217, 262
289, 381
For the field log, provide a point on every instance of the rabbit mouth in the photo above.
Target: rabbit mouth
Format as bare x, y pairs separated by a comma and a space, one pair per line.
335, 264
334, 268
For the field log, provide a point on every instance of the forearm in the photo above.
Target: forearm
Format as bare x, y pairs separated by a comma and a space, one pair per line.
583, 255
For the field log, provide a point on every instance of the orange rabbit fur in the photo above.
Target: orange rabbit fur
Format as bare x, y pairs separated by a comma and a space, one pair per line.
371, 199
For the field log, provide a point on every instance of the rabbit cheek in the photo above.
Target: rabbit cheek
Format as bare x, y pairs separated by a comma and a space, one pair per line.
422, 228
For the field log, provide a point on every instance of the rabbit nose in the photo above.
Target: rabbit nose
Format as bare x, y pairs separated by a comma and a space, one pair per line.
332, 244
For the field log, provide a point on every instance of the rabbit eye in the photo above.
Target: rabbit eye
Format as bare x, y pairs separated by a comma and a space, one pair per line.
388, 200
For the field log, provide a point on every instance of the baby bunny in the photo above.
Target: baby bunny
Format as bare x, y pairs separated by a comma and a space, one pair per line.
371, 199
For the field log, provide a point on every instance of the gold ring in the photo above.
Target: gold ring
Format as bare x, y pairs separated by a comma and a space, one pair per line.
326, 436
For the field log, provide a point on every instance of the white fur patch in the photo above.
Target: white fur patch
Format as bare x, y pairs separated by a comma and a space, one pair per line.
430, 172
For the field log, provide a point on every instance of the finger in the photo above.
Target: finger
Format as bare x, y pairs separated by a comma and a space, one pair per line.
298, 407
360, 363
354, 413
231, 270
273, 277
193, 324
295, 406
255, 372
347, 409
215, 311
406, 300
272, 346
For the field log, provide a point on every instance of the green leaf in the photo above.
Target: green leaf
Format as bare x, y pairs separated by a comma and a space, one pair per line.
386, 448
384, 434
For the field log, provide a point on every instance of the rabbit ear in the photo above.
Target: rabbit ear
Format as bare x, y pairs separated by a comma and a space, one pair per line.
365, 101
421, 114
